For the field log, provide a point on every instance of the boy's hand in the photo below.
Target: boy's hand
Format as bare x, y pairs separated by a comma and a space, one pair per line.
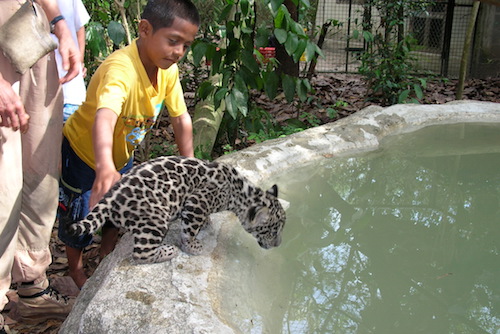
102, 183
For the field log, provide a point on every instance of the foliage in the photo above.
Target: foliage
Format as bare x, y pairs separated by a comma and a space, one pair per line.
231, 46
387, 63
105, 33
231, 34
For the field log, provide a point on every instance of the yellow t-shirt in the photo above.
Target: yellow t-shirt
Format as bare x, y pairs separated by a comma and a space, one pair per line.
122, 85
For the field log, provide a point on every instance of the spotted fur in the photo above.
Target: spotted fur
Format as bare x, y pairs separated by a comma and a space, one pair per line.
155, 193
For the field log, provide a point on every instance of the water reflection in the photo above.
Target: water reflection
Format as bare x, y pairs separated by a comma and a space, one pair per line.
402, 240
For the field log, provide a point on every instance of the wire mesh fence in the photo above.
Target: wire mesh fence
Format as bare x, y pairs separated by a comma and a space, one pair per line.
439, 32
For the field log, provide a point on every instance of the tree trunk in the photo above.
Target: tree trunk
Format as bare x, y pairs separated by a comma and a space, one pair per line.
467, 49
287, 65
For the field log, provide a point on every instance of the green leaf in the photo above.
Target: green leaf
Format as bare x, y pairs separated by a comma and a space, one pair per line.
248, 60
418, 91
279, 18
289, 84
302, 90
116, 32
231, 106
225, 13
423, 82
281, 35
249, 77
300, 50
199, 50
205, 89
403, 96
276, 4
310, 50
368, 36
291, 43
271, 81
220, 94
239, 95
244, 5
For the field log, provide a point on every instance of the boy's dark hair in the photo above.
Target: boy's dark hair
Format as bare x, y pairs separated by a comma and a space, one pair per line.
161, 13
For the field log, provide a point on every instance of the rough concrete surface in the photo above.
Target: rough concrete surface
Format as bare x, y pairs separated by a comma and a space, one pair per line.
176, 297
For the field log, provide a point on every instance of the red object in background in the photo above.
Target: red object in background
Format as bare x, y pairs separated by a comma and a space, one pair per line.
268, 52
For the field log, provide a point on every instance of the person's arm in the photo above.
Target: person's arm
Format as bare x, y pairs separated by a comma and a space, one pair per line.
71, 57
183, 131
80, 36
106, 174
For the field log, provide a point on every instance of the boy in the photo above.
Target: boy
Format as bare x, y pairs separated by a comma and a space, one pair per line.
124, 98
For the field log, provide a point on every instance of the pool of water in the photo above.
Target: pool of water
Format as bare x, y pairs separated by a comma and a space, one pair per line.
404, 239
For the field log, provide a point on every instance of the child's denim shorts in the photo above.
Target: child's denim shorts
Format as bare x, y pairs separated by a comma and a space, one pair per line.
68, 110
74, 194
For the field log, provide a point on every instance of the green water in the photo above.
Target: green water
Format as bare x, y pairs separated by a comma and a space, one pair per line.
402, 240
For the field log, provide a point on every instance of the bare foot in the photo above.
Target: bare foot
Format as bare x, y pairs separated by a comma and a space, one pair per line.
79, 277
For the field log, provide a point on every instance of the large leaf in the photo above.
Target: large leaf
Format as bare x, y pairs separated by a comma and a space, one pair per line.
271, 84
205, 89
248, 60
116, 32
303, 87
276, 4
281, 35
289, 84
199, 50
300, 50
249, 77
219, 96
225, 13
231, 106
245, 5
291, 43
240, 92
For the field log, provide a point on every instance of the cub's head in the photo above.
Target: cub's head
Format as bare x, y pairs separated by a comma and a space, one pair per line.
266, 221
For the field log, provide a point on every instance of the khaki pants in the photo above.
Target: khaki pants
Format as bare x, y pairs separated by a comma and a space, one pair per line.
29, 171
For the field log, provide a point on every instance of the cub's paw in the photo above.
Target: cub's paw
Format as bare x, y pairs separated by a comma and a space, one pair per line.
193, 247
165, 253
161, 254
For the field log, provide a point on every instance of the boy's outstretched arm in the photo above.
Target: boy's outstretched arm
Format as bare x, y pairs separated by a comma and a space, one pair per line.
183, 131
106, 174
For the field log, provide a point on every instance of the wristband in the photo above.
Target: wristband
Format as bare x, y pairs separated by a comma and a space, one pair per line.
54, 21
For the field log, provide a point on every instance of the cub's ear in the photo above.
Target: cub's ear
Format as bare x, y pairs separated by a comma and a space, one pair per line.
258, 215
273, 191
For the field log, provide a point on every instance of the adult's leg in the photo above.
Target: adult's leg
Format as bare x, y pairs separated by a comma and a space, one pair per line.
11, 172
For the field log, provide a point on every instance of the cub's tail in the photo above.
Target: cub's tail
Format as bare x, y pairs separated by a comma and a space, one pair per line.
89, 224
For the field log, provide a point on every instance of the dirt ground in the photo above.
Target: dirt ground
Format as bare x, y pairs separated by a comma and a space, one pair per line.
345, 93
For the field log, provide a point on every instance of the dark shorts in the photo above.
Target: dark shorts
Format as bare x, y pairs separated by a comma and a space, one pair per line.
74, 194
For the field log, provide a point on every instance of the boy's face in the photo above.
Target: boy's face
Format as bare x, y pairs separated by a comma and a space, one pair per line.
165, 46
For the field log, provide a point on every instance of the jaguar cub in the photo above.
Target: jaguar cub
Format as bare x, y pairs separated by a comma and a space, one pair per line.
157, 192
